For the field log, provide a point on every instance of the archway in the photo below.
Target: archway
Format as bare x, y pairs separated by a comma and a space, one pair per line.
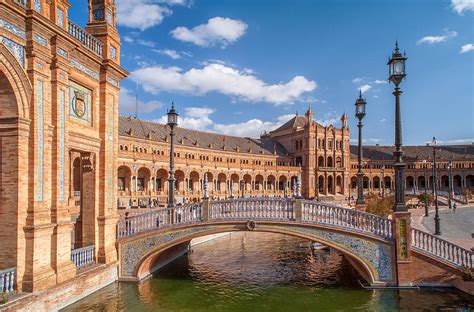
179, 183
330, 162
124, 175
388, 182
410, 182
271, 183
339, 189
320, 161
143, 179
338, 162
330, 184
221, 181
353, 183
421, 182
321, 184
247, 183
210, 182
444, 182
470, 181
282, 184
376, 182
259, 183
234, 184
193, 182
457, 181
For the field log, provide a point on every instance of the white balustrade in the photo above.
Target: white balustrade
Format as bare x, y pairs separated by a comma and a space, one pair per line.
267, 208
441, 249
7, 280
83, 256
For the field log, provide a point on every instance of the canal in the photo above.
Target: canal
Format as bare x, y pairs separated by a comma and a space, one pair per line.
263, 272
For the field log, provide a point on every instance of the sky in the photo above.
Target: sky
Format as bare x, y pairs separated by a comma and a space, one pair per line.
245, 67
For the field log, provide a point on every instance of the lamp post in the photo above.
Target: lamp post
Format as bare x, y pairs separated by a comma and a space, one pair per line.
172, 122
450, 184
383, 181
360, 113
436, 218
396, 65
424, 178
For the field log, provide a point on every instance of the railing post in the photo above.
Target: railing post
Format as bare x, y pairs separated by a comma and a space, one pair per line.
297, 209
402, 235
206, 207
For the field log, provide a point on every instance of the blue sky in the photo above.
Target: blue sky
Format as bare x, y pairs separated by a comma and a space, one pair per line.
242, 67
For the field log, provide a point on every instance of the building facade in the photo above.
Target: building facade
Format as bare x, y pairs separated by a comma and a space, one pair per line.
59, 88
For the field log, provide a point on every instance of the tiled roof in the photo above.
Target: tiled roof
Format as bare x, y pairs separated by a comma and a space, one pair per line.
295, 122
416, 152
137, 128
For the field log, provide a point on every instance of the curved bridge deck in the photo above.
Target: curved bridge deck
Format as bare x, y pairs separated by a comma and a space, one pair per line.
369, 240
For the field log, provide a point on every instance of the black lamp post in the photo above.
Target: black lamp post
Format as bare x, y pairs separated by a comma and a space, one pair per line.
436, 218
172, 122
450, 184
396, 65
383, 181
424, 177
360, 113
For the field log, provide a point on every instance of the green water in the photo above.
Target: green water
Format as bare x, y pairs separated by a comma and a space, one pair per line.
263, 272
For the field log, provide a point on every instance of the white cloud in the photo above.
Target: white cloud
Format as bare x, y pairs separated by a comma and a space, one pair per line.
357, 80
459, 6
127, 102
198, 118
217, 31
369, 141
438, 39
466, 48
380, 82
141, 14
175, 55
383, 120
146, 43
127, 39
365, 88
375, 96
222, 79
329, 119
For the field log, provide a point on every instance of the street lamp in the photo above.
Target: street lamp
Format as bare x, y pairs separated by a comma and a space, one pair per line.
424, 178
383, 181
450, 184
360, 113
436, 218
396, 65
172, 122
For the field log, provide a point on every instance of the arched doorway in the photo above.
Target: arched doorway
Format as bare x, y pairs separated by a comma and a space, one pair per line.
271, 183
123, 179
161, 180
330, 184
339, 189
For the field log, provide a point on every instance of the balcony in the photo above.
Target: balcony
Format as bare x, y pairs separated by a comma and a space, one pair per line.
83, 256
90, 42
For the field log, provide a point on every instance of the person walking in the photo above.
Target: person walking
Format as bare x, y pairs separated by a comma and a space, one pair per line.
454, 207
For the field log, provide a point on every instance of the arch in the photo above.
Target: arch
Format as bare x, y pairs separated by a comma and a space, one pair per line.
330, 162
234, 183
12, 72
388, 182
421, 182
365, 182
444, 182
142, 263
124, 175
339, 189
321, 184
161, 179
193, 181
179, 183
143, 179
457, 181
221, 181
339, 162
470, 181
271, 183
330, 184
376, 182
76, 175
354, 182
247, 182
282, 183
259, 182
320, 161
210, 181
410, 182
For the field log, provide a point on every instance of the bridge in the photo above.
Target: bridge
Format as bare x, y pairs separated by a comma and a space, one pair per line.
385, 251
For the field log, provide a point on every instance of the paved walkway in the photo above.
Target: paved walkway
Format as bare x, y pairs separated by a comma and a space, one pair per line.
455, 227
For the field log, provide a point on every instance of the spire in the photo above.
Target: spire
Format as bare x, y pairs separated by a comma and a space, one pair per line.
360, 93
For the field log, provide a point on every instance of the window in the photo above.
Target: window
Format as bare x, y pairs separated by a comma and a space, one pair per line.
140, 184
60, 18
121, 184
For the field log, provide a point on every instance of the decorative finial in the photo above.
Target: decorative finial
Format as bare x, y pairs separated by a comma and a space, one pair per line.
172, 104
360, 93
396, 45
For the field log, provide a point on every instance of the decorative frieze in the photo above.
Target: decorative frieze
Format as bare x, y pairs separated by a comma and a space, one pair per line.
16, 49
40, 140
85, 69
37, 6
63, 53
40, 40
12, 28
112, 81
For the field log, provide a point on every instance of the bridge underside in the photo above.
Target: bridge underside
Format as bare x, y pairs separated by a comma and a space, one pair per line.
373, 257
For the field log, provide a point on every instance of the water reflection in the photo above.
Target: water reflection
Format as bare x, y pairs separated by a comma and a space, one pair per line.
262, 272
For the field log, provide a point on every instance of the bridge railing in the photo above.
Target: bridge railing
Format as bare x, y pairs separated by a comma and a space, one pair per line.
7, 280
265, 208
188, 213
327, 214
441, 249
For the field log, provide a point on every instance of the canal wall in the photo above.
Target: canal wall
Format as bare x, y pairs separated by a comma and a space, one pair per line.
66, 293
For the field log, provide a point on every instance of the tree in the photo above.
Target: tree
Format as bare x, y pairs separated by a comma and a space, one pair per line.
378, 205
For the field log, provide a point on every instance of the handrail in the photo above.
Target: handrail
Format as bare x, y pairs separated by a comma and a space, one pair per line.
261, 208
87, 40
441, 249
83, 256
7, 280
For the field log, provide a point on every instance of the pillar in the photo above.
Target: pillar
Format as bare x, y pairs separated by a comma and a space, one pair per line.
402, 233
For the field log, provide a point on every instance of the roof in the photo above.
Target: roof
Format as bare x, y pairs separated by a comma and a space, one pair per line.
416, 152
148, 130
295, 122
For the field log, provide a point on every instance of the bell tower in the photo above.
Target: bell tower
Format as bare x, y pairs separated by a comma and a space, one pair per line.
103, 25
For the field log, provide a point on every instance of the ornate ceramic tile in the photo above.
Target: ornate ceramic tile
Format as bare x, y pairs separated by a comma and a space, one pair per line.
85, 69
112, 81
63, 53
61, 144
40, 139
60, 18
12, 28
80, 103
40, 39
16, 49
37, 6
